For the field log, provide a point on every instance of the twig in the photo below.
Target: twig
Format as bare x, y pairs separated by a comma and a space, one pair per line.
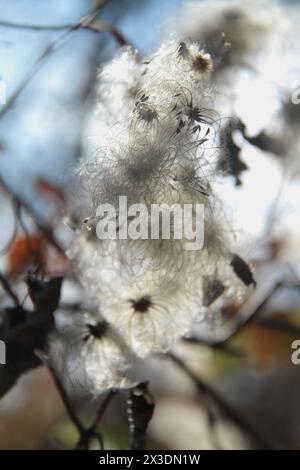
92, 430
276, 324
212, 422
32, 71
6, 286
271, 218
84, 23
104, 26
52, 27
224, 406
85, 434
73, 416
45, 229
102, 408
248, 312
37, 27
14, 232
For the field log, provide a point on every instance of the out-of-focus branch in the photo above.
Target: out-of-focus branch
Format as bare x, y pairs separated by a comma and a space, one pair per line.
55, 27
36, 66
38, 27
24, 331
224, 407
91, 431
273, 323
140, 411
278, 324
85, 434
104, 26
62, 392
100, 412
248, 312
41, 225
8, 289
87, 22
14, 231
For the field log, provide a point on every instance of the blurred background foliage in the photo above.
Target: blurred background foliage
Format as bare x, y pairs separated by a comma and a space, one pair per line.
43, 133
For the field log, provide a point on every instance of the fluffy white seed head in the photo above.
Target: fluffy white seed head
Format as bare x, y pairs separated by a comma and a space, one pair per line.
92, 355
232, 31
160, 150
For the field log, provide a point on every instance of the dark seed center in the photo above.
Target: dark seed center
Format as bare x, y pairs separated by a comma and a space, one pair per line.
141, 305
98, 330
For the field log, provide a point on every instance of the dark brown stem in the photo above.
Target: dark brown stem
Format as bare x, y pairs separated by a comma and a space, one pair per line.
62, 392
248, 312
102, 408
85, 434
140, 411
92, 430
206, 390
8, 289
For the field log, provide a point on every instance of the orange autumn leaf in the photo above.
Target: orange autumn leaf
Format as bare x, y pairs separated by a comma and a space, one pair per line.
49, 190
25, 251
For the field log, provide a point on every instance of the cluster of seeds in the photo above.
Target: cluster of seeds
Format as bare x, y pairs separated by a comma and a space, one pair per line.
154, 145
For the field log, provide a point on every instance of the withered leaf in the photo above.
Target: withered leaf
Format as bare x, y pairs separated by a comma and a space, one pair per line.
213, 288
242, 270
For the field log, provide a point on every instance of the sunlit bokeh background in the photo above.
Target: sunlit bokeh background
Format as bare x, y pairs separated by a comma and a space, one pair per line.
43, 134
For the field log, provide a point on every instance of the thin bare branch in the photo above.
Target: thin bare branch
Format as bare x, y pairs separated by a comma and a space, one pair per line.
224, 407
87, 22
63, 394
102, 408
37, 27
91, 431
41, 225
249, 312
14, 231
53, 27
8, 289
